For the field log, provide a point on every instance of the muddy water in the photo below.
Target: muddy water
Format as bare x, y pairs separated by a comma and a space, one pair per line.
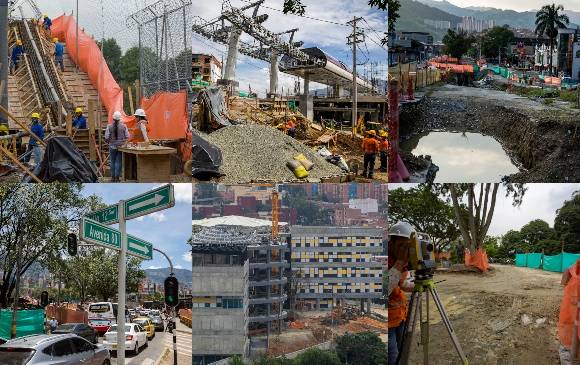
463, 157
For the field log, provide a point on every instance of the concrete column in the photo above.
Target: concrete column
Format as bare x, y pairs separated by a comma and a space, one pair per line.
362, 305
369, 306
318, 304
274, 72
306, 101
233, 44
337, 91
307, 84
4, 62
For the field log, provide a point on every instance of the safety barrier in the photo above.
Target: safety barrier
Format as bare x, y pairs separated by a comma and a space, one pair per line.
555, 263
185, 317
67, 314
28, 322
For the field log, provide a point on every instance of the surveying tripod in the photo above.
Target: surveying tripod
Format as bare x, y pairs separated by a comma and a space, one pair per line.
424, 286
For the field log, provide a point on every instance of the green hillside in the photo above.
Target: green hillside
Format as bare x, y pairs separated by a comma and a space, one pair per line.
412, 14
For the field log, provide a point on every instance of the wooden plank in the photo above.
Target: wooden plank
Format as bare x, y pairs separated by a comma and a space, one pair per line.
91, 123
131, 106
22, 125
15, 160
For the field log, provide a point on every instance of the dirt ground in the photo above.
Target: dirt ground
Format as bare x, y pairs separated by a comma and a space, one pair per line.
543, 141
486, 313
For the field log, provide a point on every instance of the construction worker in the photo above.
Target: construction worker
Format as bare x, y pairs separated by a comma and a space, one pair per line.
33, 148
398, 257
384, 149
568, 314
46, 22
59, 53
17, 52
291, 127
79, 120
142, 134
116, 135
370, 148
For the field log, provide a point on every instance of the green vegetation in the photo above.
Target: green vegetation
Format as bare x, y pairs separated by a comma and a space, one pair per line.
456, 44
567, 223
496, 39
548, 20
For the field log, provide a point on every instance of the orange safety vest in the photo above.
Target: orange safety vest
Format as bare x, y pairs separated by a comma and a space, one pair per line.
384, 146
290, 124
138, 135
397, 305
370, 145
568, 310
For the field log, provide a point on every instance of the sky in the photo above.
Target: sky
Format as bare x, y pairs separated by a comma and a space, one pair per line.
540, 202
167, 230
518, 5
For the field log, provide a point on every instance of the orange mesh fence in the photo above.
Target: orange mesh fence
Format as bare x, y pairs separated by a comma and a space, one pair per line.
167, 115
478, 259
568, 308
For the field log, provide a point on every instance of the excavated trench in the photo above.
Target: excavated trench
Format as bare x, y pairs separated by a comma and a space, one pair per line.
542, 143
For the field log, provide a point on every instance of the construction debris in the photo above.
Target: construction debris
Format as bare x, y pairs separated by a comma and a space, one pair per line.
257, 152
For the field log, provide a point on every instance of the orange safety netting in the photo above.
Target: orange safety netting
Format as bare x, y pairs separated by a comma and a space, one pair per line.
568, 307
453, 67
478, 259
166, 112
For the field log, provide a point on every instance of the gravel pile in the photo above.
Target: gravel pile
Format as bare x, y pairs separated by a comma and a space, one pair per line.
257, 152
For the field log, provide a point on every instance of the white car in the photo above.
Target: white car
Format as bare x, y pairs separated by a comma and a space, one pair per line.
135, 338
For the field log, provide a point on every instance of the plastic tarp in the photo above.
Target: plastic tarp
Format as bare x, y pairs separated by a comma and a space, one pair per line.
167, 115
214, 110
521, 259
553, 263
64, 162
206, 158
477, 259
535, 260
569, 259
28, 322
568, 309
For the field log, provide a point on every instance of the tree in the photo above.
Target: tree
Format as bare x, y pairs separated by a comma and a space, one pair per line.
548, 21
535, 232
112, 54
474, 216
317, 356
456, 44
496, 39
34, 222
429, 214
567, 223
309, 213
364, 348
129, 66
511, 243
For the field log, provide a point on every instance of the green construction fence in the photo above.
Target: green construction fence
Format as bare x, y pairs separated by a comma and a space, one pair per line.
555, 263
28, 322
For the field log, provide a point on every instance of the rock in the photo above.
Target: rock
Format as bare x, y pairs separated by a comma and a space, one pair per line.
526, 320
540, 321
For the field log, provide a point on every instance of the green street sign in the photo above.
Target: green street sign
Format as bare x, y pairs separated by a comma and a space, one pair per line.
99, 234
152, 201
140, 248
108, 215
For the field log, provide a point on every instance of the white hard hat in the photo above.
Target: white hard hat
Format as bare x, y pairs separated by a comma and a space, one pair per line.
117, 115
140, 113
402, 229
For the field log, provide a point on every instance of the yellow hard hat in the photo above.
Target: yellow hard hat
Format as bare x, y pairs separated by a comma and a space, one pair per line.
35, 115
78, 110
3, 128
19, 42
372, 132
54, 40
45, 16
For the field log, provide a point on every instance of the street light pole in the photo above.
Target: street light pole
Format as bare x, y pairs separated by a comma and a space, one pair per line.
121, 281
17, 289
173, 322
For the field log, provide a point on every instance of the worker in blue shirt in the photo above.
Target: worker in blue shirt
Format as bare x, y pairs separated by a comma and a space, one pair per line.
17, 52
59, 53
46, 22
79, 120
33, 148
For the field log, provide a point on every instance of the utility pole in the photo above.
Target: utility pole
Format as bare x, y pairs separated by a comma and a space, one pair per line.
4, 61
355, 38
122, 272
16, 289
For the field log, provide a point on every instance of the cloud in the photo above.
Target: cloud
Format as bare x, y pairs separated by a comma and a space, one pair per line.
178, 267
186, 256
152, 267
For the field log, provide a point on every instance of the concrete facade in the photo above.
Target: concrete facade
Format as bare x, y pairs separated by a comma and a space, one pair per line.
330, 264
206, 66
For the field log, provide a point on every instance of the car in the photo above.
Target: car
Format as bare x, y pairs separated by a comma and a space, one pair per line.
158, 323
154, 313
147, 325
83, 330
135, 338
53, 349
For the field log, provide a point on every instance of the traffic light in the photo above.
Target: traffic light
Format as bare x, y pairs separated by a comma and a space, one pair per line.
171, 291
44, 299
71, 244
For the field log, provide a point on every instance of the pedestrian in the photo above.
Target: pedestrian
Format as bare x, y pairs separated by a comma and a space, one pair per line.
370, 148
291, 127
142, 133
79, 120
53, 324
59, 53
17, 52
33, 147
46, 22
116, 135
384, 150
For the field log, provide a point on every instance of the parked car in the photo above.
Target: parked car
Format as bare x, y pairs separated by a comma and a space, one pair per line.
135, 338
154, 313
67, 349
158, 323
147, 325
83, 330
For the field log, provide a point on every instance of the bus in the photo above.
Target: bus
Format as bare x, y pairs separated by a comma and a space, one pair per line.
102, 315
